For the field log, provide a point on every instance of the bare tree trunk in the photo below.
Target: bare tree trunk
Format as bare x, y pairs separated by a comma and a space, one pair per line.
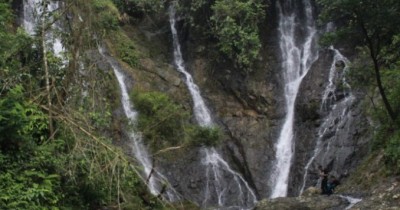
46, 68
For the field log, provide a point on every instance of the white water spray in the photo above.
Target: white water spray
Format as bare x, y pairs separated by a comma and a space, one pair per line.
329, 103
217, 169
297, 60
155, 178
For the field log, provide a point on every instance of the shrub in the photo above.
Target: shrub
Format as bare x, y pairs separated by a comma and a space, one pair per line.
108, 14
22, 124
161, 121
166, 124
392, 153
125, 48
235, 25
206, 136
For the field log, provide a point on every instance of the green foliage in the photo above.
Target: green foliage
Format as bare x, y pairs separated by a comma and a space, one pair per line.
70, 171
206, 136
165, 124
387, 133
28, 179
74, 169
137, 8
5, 14
161, 121
197, 14
366, 23
361, 72
378, 18
22, 124
235, 25
107, 14
100, 119
30, 182
391, 77
125, 48
392, 153
13, 44
100, 174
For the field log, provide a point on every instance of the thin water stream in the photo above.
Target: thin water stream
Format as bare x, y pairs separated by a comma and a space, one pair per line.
156, 180
221, 181
338, 110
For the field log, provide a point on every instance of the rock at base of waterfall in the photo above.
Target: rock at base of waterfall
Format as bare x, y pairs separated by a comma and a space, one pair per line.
303, 203
311, 191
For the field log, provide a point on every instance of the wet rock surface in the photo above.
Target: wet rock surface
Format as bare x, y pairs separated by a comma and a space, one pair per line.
303, 203
250, 110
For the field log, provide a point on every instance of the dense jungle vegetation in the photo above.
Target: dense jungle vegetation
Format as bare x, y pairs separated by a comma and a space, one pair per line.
57, 148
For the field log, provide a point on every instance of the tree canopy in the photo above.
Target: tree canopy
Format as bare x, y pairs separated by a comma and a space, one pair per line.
235, 25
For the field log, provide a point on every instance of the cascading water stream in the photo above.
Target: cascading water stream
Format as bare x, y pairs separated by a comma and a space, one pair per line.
329, 103
297, 56
154, 178
217, 169
329, 96
200, 109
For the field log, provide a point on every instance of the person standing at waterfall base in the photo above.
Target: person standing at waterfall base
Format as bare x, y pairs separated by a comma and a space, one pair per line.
333, 183
323, 173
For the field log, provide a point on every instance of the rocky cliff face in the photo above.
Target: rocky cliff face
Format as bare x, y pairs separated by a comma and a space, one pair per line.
342, 128
249, 109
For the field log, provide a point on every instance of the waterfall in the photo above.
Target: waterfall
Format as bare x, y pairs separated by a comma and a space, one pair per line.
225, 179
332, 123
156, 181
32, 13
297, 56
217, 169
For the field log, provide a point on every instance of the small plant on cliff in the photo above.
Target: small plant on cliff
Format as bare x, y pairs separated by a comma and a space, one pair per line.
167, 124
137, 8
107, 14
125, 48
392, 153
206, 136
161, 121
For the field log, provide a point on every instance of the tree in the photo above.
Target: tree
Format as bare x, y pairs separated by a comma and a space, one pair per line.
45, 65
376, 24
235, 25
